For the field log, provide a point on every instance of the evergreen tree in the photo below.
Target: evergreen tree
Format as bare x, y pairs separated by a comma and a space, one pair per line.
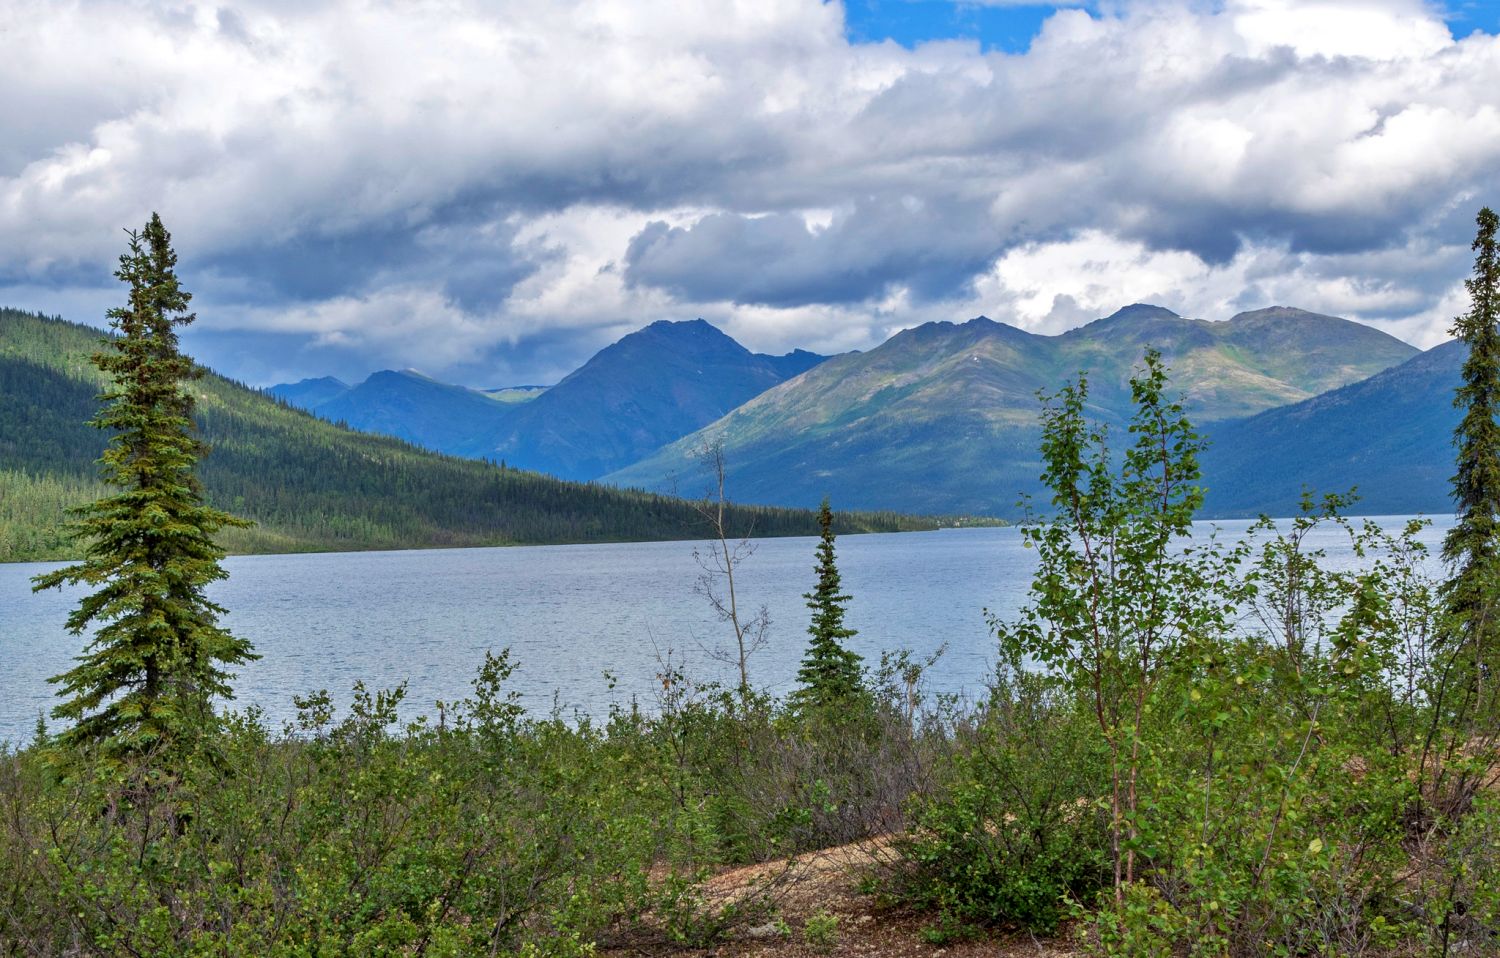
830, 673
146, 681
1470, 547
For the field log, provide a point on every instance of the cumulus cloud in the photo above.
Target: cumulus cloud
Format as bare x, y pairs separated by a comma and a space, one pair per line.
489, 191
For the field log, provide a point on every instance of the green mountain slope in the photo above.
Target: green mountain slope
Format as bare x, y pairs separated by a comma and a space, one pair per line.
942, 417
308, 483
1390, 436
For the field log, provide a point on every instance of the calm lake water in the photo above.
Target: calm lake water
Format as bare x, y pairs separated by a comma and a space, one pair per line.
569, 614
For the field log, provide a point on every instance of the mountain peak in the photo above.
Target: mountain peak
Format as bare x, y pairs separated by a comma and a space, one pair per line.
1139, 311
310, 393
392, 375
1273, 313
684, 327
315, 381
651, 387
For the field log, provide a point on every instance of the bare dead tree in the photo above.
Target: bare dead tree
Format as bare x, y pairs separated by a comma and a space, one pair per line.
718, 563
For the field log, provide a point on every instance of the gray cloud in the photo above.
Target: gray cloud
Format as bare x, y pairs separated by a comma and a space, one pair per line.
493, 187
933, 246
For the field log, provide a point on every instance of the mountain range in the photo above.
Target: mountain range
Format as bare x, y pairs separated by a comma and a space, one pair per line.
308, 484
653, 386
943, 417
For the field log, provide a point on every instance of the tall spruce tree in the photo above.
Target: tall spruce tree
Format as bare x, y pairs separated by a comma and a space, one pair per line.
830, 673
1470, 547
146, 681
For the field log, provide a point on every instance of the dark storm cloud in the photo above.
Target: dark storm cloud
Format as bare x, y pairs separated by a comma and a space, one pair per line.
474, 258
932, 246
309, 266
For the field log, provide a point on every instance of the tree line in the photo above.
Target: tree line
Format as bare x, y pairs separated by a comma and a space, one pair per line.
308, 484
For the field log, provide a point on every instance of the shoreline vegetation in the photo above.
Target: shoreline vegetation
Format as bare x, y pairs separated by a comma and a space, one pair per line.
1232, 750
857, 524
315, 486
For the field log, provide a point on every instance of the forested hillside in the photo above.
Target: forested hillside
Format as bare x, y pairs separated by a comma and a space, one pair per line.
308, 484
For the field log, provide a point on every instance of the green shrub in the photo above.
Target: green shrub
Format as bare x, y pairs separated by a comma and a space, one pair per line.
821, 931
1017, 831
1140, 925
355, 836
948, 930
1463, 894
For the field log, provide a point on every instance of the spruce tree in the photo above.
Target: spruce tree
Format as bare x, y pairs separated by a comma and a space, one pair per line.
830, 673
146, 681
1470, 547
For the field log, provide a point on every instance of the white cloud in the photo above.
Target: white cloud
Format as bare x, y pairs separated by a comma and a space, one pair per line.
1049, 287
430, 182
1377, 29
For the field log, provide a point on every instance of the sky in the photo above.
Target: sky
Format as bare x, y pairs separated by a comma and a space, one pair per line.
492, 191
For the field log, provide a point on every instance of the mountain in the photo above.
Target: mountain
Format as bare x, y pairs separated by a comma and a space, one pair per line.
1390, 435
653, 386
309, 394
408, 405
1254, 361
943, 416
308, 483
417, 408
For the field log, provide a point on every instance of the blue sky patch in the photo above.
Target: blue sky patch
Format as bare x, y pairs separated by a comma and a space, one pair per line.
1012, 26
1009, 28
1466, 16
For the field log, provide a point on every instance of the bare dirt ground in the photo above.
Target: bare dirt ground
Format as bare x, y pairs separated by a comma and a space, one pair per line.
829, 881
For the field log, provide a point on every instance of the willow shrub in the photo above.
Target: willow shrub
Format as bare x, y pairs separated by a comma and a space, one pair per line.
485, 830
1224, 749
489, 833
1014, 831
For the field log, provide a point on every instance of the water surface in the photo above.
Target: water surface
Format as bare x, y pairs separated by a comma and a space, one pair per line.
569, 614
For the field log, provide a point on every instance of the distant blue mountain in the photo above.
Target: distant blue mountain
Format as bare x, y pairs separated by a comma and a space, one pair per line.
421, 410
650, 388
309, 394
1390, 436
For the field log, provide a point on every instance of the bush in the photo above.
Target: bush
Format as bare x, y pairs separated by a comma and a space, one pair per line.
821, 931
1463, 893
356, 836
1017, 831
1139, 925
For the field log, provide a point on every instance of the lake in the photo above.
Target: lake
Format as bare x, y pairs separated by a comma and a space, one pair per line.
569, 614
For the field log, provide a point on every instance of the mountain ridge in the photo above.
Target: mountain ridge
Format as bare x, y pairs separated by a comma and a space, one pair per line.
311, 485
1388, 437
945, 414
648, 388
